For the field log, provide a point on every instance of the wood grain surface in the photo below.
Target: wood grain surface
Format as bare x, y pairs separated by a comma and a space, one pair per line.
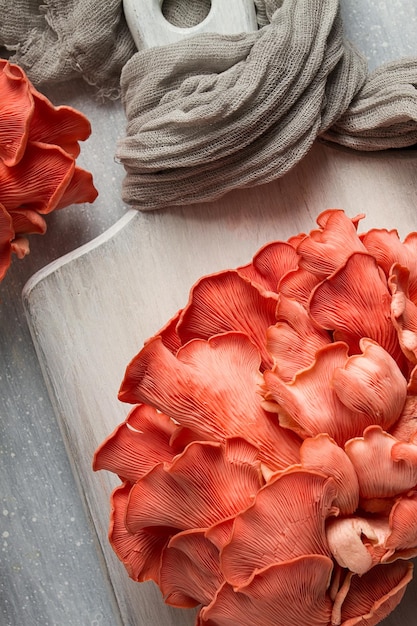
54, 509
149, 26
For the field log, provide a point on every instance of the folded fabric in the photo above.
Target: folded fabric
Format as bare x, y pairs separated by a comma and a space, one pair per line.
58, 40
214, 112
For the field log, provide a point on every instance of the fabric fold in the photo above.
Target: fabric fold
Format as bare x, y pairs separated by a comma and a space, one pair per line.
213, 113
59, 40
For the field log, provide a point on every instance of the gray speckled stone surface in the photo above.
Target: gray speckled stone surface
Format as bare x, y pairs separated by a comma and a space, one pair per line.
383, 31
50, 570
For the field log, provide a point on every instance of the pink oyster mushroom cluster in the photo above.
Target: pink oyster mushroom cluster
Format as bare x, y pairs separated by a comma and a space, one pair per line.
269, 465
38, 149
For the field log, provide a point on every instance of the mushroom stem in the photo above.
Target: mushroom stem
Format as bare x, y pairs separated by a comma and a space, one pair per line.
339, 599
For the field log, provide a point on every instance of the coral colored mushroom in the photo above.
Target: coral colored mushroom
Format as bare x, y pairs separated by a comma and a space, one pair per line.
296, 503
405, 429
308, 403
298, 285
38, 147
403, 311
6, 237
176, 496
27, 221
140, 552
326, 249
270, 464
374, 595
372, 383
62, 126
322, 454
137, 444
188, 388
380, 474
39, 180
387, 248
274, 596
270, 264
402, 540
294, 340
16, 111
357, 543
190, 570
228, 302
354, 302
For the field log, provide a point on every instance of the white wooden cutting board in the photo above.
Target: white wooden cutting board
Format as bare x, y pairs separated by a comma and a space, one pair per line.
91, 311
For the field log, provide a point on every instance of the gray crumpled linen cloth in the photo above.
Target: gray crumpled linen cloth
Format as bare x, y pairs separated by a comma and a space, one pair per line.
213, 113
59, 40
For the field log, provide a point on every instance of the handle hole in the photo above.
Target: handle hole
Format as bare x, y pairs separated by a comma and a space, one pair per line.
185, 13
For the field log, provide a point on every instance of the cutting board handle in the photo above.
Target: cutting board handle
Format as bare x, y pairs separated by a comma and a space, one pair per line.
151, 29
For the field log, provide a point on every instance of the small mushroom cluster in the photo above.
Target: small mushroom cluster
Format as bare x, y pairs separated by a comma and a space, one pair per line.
38, 149
269, 466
